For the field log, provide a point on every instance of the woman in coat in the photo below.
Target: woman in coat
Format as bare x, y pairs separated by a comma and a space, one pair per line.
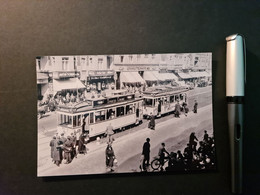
110, 157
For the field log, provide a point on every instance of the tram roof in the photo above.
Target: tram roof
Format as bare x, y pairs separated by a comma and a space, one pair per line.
164, 90
89, 103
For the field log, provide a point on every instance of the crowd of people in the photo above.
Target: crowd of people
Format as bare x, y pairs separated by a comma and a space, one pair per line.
67, 148
194, 156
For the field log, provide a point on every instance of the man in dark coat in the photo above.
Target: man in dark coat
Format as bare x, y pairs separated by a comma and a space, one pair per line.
146, 153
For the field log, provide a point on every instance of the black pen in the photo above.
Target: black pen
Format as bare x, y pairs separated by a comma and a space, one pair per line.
235, 92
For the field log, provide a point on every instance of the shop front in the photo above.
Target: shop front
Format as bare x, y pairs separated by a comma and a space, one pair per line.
100, 80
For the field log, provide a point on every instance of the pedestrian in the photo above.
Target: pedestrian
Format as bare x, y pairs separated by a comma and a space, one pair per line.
52, 145
161, 155
177, 109
68, 150
151, 123
57, 153
185, 108
110, 157
81, 146
193, 140
195, 107
146, 154
109, 132
74, 141
206, 137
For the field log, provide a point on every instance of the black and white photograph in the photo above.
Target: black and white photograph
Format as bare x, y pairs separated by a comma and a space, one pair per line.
131, 113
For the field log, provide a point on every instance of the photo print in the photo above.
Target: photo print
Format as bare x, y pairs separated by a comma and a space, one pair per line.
133, 113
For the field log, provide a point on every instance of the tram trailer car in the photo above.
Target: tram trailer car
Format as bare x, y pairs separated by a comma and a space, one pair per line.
161, 100
119, 110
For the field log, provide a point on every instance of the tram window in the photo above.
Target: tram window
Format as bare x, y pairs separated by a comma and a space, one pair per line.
181, 96
171, 99
148, 102
120, 111
100, 116
129, 109
79, 120
111, 113
176, 98
74, 121
91, 118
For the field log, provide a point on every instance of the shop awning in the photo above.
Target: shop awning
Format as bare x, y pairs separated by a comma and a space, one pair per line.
165, 76
170, 76
185, 75
131, 77
149, 76
42, 75
199, 74
67, 84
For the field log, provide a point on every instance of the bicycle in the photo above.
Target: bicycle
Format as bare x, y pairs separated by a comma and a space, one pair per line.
156, 164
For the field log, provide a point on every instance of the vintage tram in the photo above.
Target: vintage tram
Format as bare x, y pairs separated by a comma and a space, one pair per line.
119, 109
161, 100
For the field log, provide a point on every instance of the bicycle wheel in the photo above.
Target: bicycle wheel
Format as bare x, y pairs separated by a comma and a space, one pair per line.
155, 164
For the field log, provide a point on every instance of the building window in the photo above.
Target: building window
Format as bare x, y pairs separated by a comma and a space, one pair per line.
153, 56
146, 55
90, 60
122, 58
65, 62
130, 58
82, 61
100, 61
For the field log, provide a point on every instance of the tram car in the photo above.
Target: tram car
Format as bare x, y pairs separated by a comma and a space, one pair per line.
161, 100
120, 109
